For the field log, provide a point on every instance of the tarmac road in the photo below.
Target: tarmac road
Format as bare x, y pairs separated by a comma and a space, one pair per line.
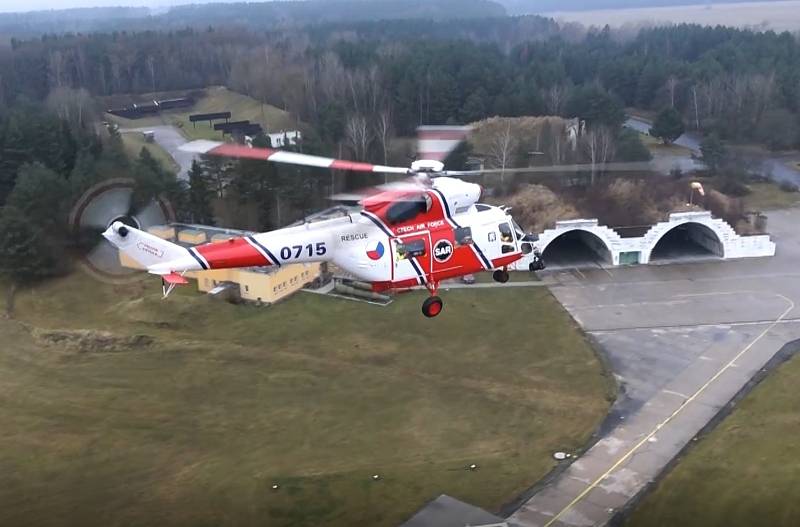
170, 139
776, 166
682, 340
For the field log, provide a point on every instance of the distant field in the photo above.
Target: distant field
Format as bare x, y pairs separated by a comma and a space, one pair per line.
769, 196
218, 99
746, 472
779, 16
315, 394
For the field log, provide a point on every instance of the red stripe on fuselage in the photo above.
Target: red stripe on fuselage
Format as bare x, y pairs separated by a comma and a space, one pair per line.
232, 253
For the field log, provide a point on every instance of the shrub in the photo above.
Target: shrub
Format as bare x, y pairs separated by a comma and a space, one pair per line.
536, 207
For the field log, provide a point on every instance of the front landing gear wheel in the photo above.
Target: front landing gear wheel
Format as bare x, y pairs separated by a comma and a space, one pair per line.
432, 306
500, 276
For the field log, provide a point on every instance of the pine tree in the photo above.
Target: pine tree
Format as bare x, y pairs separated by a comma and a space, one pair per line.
200, 196
25, 255
668, 126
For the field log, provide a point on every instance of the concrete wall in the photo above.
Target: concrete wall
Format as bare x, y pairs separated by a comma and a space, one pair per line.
712, 233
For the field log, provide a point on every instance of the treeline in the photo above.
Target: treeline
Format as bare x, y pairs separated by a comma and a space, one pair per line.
544, 6
741, 84
255, 15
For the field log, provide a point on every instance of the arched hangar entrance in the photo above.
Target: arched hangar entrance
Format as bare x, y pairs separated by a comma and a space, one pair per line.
687, 241
576, 248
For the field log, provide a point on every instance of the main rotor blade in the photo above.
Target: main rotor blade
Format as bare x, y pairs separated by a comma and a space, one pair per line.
436, 142
564, 169
216, 148
406, 186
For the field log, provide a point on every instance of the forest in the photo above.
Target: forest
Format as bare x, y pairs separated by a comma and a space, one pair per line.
741, 84
356, 86
515, 7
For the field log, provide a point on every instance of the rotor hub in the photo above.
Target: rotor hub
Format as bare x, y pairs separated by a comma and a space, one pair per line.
427, 166
126, 219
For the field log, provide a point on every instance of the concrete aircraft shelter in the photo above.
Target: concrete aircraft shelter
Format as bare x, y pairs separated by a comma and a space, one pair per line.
684, 236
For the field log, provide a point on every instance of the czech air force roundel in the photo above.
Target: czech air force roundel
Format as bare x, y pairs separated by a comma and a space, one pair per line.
375, 250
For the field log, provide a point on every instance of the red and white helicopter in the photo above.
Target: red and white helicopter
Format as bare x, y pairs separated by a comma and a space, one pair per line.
419, 232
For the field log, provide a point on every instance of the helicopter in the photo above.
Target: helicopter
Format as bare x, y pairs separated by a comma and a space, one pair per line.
414, 233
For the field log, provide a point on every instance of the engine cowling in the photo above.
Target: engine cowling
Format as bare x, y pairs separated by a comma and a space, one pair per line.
460, 195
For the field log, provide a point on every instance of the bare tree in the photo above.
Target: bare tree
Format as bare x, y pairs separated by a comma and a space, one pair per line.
55, 68
359, 136
762, 88
672, 86
383, 130
501, 149
74, 106
591, 147
555, 97
151, 66
600, 146
606, 143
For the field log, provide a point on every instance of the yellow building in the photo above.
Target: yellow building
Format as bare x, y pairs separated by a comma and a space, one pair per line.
256, 284
266, 285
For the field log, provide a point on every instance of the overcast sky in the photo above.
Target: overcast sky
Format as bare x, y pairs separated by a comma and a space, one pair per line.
35, 5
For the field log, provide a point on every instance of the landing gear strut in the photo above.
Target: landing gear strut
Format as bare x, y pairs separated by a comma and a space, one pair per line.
500, 276
433, 305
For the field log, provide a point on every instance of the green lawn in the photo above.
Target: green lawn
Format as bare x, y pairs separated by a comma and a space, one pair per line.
134, 142
316, 394
746, 472
656, 145
767, 196
218, 99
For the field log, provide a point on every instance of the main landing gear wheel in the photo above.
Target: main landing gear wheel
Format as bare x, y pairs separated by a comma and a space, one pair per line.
432, 306
500, 276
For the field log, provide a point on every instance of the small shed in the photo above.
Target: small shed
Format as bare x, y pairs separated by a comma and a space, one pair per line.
192, 236
165, 232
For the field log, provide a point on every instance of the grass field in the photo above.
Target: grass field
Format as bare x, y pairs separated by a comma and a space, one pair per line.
657, 146
315, 394
779, 16
134, 142
746, 472
217, 99
769, 196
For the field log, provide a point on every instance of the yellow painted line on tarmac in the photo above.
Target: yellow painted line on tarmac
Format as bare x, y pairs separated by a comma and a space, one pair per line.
672, 416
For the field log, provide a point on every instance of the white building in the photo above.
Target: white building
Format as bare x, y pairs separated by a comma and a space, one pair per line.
285, 138
700, 229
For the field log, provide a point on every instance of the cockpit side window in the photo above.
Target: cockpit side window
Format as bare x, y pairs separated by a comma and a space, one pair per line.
506, 234
463, 236
410, 249
407, 209
507, 238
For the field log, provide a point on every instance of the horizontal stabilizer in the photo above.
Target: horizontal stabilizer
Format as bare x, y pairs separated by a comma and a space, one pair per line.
175, 279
